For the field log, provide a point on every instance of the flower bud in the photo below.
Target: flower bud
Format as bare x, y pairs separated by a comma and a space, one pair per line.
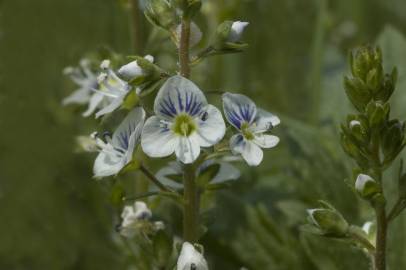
190, 258
367, 187
161, 13
393, 139
228, 35
370, 230
136, 68
365, 59
328, 221
357, 92
377, 113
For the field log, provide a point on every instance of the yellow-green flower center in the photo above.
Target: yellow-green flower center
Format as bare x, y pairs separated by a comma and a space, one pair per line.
184, 125
246, 132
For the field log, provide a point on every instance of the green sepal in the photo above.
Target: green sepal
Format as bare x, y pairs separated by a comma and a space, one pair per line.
161, 13
377, 113
133, 165
131, 100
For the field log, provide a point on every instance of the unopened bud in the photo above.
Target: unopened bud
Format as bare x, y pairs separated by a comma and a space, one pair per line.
161, 13
329, 221
366, 186
191, 258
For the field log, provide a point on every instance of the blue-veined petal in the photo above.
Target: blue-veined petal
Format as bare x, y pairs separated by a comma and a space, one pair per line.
211, 126
129, 131
251, 152
157, 139
265, 141
107, 164
178, 95
94, 102
188, 148
264, 121
238, 109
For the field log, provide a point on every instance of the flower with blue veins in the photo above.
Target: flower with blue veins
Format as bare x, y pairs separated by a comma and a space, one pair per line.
85, 78
183, 122
117, 151
113, 91
252, 124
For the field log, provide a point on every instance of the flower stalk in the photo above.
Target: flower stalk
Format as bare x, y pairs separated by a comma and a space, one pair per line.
190, 193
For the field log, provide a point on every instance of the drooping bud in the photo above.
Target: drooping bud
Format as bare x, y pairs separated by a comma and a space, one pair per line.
370, 230
328, 221
190, 258
367, 187
237, 29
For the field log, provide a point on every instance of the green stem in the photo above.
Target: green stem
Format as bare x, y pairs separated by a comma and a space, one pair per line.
191, 205
184, 48
136, 26
190, 193
153, 179
382, 224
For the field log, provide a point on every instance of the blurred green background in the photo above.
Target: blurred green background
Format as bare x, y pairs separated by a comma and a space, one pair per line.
54, 216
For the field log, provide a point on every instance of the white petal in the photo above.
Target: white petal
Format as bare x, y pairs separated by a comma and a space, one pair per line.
157, 140
129, 131
142, 211
251, 152
227, 172
94, 102
178, 95
238, 109
266, 141
107, 165
127, 211
211, 126
131, 70
190, 256
173, 168
114, 105
150, 58
188, 148
264, 121
80, 96
237, 29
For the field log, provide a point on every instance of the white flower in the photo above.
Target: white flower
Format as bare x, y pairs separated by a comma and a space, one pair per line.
252, 123
112, 89
117, 151
133, 70
226, 172
85, 79
190, 258
183, 123
131, 215
237, 28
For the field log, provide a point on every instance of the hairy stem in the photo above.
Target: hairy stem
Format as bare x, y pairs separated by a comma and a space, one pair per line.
191, 205
190, 193
382, 224
136, 26
184, 48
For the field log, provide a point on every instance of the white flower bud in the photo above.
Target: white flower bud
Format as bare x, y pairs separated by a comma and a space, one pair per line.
190, 258
237, 28
354, 123
131, 70
149, 58
159, 225
361, 181
105, 64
